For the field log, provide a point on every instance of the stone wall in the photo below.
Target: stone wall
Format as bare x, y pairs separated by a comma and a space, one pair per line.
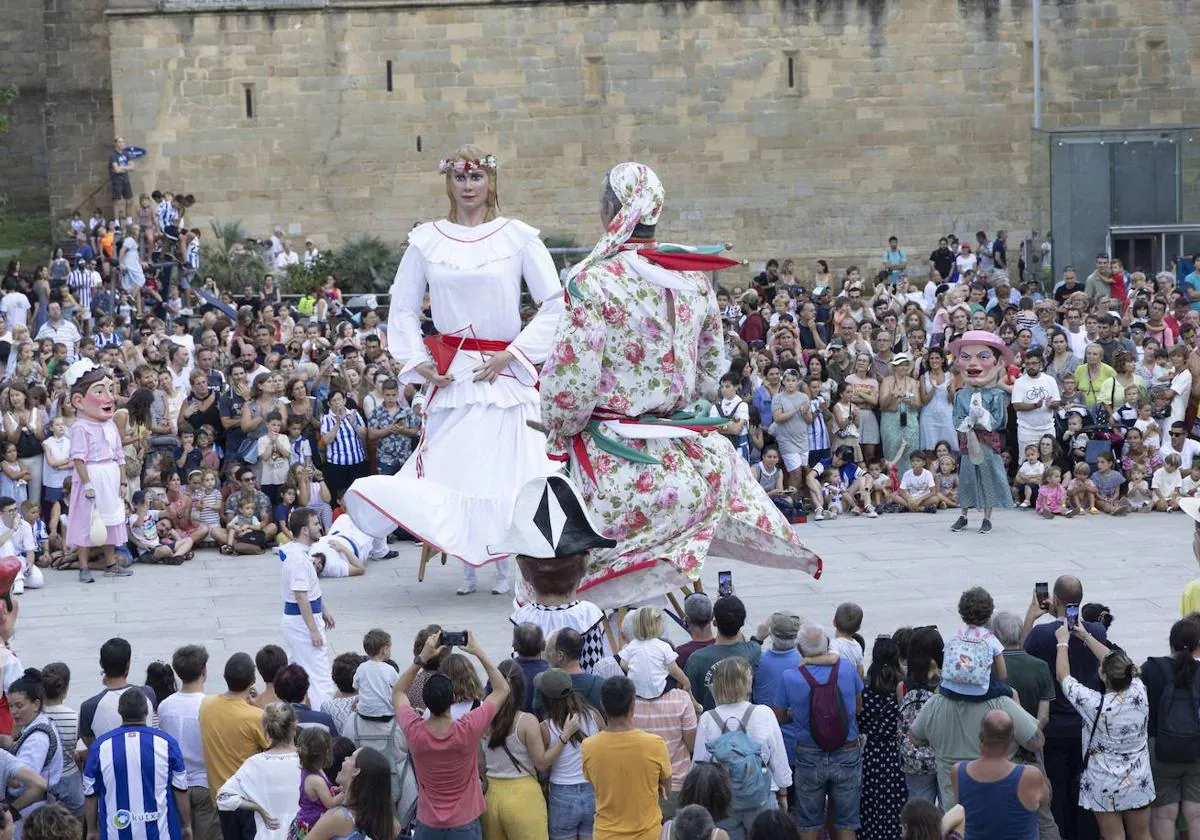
23, 64
79, 105
790, 127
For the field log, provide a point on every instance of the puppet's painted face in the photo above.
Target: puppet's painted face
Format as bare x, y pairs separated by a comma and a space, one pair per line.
98, 402
979, 363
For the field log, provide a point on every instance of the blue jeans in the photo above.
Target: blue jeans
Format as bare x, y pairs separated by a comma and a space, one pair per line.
572, 811
470, 831
836, 775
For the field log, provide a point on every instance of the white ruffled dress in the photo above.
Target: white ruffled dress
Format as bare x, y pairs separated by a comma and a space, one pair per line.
476, 450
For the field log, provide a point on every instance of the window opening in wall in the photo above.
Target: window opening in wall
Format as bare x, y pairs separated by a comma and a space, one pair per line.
791, 73
389, 76
249, 91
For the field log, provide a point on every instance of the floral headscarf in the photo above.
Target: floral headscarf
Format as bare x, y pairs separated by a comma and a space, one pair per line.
641, 195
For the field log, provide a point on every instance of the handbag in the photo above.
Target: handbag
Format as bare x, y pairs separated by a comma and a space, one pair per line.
97, 530
247, 451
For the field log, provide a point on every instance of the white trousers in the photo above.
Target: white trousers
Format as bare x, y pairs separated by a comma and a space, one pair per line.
503, 574
317, 662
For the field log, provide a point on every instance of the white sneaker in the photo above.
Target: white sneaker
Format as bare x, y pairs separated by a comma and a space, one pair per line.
465, 589
818, 514
831, 514
1023, 504
871, 512
18, 586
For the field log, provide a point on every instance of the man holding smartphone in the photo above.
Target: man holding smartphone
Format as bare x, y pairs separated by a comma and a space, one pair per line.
1064, 729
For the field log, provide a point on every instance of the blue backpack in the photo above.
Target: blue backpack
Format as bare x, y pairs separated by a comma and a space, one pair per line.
742, 759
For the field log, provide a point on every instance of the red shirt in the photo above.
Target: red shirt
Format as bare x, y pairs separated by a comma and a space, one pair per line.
447, 768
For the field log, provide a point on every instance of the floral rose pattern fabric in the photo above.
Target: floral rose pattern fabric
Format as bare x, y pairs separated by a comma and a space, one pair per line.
619, 352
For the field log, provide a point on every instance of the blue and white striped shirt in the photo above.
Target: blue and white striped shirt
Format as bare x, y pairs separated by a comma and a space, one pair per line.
101, 340
193, 254
167, 214
82, 282
347, 448
132, 771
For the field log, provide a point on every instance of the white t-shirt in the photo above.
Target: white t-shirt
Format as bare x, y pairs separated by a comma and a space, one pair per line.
179, 717
299, 574
1035, 470
16, 308
1028, 389
648, 661
964, 264
915, 485
1166, 482
374, 681
847, 649
731, 409
1186, 454
1181, 387
1189, 486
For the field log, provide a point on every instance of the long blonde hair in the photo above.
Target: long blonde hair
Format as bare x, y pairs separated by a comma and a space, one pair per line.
472, 153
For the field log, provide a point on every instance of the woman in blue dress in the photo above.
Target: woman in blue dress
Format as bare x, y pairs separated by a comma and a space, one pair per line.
980, 414
937, 402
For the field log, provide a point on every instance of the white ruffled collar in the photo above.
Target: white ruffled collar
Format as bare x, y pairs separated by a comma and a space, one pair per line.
456, 246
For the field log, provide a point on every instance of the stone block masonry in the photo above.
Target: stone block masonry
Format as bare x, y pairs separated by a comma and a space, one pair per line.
789, 128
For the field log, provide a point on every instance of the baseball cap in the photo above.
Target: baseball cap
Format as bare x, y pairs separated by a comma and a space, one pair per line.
554, 683
784, 626
835, 343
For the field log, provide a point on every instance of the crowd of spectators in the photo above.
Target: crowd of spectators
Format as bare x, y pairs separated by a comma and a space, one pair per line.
841, 391
234, 407
1013, 725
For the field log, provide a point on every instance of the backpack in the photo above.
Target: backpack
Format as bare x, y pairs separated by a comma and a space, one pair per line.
1178, 738
828, 721
394, 748
914, 760
742, 759
968, 660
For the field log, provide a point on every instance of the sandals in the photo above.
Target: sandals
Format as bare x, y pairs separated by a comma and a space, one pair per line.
227, 550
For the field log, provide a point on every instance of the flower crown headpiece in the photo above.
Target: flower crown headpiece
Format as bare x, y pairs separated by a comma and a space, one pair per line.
446, 165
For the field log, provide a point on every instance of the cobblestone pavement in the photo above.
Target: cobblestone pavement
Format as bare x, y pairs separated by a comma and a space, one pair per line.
903, 569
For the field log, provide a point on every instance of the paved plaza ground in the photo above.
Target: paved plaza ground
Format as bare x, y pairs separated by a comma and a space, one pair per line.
903, 569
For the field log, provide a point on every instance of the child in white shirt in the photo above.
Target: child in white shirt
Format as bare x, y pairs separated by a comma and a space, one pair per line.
1029, 475
648, 659
375, 678
1191, 481
1138, 494
917, 486
1147, 425
847, 620
1167, 483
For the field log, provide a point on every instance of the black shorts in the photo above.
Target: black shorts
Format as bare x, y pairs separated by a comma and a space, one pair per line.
122, 190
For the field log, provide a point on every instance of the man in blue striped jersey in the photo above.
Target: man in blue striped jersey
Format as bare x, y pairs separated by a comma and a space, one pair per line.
135, 781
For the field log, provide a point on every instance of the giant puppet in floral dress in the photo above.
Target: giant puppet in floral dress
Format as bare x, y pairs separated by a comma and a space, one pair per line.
639, 344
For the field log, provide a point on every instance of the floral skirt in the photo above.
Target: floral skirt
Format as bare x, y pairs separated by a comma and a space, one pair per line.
699, 499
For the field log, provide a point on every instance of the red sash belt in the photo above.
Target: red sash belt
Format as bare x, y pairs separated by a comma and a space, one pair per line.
444, 347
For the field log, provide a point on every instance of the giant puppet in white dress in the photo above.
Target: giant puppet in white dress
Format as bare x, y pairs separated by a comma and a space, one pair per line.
476, 450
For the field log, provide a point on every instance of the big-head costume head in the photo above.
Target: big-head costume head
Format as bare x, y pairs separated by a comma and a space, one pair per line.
551, 534
92, 390
981, 357
465, 160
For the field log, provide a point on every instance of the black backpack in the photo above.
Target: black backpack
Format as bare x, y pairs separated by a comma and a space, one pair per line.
1178, 735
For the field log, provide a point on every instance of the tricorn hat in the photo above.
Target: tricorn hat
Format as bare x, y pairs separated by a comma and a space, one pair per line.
550, 520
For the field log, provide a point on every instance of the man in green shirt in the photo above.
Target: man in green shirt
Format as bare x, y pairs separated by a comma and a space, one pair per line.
1027, 674
729, 615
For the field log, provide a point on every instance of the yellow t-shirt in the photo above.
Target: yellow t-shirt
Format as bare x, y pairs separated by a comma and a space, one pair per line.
626, 769
1189, 599
231, 730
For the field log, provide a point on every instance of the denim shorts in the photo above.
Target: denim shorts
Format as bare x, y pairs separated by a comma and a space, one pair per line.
470, 831
572, 811
818, 774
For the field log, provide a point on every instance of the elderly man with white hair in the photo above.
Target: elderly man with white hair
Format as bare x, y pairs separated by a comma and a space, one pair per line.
1030, 677
828, 763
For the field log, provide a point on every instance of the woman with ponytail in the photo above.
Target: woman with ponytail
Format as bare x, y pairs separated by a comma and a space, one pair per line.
1116, 783
1173, 679
37, 745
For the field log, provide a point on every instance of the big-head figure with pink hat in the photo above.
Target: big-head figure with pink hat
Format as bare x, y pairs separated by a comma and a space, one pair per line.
980, 414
